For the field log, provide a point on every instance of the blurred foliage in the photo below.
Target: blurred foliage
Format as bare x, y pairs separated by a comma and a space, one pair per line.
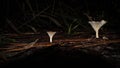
67, 16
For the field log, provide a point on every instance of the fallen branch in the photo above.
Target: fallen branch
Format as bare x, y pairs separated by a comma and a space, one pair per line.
96, 44
30, 45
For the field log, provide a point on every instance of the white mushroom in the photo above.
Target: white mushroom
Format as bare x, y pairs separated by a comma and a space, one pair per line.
51, 34
96, 25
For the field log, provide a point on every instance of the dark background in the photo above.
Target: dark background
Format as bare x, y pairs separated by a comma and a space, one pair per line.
13, 10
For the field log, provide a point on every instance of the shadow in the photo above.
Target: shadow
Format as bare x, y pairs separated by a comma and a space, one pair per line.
56, 56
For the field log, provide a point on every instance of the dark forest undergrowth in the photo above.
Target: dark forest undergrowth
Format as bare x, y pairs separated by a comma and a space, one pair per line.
63, 52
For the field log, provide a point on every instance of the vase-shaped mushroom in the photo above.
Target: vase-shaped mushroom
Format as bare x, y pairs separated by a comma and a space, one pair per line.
96, 25
51, 34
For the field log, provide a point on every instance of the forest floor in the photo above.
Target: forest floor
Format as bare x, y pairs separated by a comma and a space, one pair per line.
79, 50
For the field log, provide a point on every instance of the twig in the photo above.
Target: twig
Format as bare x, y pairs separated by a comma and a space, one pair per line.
89, 17
30, 45
30, 6
12, 26
34, 17
97, 43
